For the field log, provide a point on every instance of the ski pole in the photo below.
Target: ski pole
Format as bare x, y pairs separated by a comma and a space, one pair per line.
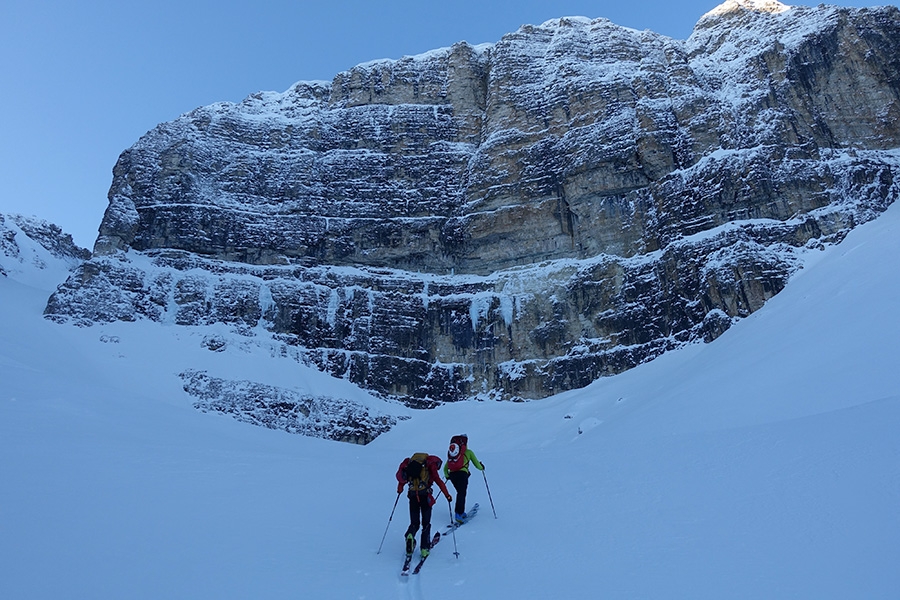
389, 523
489, 492
453, 531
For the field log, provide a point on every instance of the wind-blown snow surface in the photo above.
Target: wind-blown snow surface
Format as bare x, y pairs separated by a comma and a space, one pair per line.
763, 465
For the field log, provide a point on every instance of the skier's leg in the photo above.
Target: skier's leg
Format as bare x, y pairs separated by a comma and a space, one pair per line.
425, 503
463, 488
409, 536
413, 515
460, 480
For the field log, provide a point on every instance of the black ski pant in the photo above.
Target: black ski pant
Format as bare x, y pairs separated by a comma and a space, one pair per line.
420, 504
460, 480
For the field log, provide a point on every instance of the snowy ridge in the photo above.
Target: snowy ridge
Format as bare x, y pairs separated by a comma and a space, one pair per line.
738, 6
37, 253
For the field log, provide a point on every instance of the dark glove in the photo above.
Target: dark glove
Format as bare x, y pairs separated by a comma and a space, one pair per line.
400, 488
447, 496
482, 466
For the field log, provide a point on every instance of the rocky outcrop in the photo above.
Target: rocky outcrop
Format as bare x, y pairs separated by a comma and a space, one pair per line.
515, 219
49, 236
37, 252
278, 408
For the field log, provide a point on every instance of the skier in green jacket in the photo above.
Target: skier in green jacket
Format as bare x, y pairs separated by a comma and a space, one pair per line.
456, 469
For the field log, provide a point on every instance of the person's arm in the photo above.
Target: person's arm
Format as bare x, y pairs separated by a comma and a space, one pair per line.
401, 479
471, 456
440, 482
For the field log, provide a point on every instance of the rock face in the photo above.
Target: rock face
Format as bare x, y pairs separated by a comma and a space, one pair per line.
516, 219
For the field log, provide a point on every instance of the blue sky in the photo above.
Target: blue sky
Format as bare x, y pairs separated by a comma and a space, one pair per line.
83, 81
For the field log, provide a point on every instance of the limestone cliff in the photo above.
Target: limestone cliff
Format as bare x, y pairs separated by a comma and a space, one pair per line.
515, 219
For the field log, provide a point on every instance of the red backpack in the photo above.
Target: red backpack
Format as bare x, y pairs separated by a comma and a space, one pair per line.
456, 454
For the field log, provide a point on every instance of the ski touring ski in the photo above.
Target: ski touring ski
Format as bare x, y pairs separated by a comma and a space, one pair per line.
408, 560
469, 516
434, 541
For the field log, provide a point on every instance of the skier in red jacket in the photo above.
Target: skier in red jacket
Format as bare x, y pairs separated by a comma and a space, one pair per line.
418, 472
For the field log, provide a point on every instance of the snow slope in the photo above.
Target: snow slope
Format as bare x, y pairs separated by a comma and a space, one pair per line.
763, 465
